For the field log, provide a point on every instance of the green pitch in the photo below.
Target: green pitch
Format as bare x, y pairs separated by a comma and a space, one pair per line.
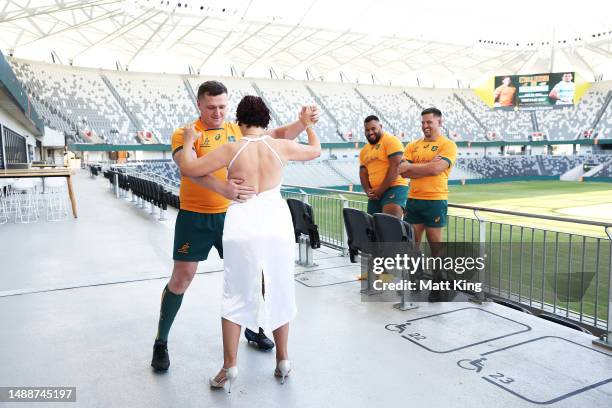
567, 199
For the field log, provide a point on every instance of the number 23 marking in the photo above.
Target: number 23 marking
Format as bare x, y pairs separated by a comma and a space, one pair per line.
502, 378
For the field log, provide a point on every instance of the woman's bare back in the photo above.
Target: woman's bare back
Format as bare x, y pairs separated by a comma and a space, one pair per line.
257, 164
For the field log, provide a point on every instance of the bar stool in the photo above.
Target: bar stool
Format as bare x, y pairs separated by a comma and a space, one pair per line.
24, 194
39, 185
8, 195
4, 194
55, 199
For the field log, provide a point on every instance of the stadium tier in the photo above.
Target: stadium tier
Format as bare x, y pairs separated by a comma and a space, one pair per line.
346, 106
604, 172
570, 123
163, 168
507, 125
159, 103
75, 99
287, 98
237, 89
458, 121
111, 106
400, 112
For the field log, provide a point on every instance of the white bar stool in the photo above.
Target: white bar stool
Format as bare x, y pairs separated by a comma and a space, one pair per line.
55, 199
4, 195
9, 196
25, 197
39, 185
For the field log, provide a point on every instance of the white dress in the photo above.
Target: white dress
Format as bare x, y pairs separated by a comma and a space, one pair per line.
258, 239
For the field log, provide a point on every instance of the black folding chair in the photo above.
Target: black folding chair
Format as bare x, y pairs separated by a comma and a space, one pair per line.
360, 231
399, 237
391, 229
303, 222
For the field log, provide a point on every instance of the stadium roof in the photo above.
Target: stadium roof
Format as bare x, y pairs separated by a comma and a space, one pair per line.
442, 43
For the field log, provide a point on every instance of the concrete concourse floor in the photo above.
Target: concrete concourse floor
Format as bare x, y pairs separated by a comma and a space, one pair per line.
79, 303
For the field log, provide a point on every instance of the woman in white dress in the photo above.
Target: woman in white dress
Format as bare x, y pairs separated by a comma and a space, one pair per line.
258, 239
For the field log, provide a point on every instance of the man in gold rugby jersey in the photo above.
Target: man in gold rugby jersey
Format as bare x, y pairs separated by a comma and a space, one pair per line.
203, 204
379, 160
428, 162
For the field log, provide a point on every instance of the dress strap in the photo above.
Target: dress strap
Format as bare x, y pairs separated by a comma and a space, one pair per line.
273, 151
248, 140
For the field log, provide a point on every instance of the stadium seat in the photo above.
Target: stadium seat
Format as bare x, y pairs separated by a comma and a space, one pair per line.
360, 231
391, 229
303, 222
565, 322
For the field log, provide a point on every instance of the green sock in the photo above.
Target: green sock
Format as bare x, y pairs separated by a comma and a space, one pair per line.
170, 305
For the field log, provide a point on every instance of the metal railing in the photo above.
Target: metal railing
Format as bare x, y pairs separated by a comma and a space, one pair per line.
555, 265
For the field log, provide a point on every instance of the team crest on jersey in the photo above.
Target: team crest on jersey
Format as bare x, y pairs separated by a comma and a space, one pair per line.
434, 148
218, 136
231, 138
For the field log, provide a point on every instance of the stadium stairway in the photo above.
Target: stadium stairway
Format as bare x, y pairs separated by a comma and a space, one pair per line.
574, 174
473, 115
599, 169
267, 102
326, 110
413, 99
534, 122
135, 122
190, 92
603, 109
377, 111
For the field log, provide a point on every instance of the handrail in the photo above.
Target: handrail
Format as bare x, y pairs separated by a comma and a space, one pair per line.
522, 214
331, 190
476, 208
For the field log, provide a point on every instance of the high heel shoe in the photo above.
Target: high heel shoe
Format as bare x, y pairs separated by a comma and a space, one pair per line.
283, 368
231, 374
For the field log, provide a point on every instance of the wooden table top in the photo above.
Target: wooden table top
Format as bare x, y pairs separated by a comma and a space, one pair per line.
16, 173
47, 165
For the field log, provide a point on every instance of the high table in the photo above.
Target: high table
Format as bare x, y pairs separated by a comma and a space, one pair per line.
33, 173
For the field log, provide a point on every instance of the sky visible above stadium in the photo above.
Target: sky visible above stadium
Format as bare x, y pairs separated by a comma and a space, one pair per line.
442, 43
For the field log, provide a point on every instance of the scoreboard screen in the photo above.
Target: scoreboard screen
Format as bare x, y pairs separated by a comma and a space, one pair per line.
534, 91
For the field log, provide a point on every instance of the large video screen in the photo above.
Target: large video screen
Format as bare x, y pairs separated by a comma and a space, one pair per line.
534, 91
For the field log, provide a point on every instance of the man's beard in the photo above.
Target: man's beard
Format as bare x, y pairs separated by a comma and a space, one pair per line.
374, 141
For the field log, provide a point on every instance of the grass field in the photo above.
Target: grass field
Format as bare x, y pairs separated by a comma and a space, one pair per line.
555, 267
583, 201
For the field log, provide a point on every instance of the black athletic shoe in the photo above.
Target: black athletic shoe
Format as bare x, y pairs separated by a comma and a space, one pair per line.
161, 360
260, 339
